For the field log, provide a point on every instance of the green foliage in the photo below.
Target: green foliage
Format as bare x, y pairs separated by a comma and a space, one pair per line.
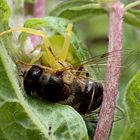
79, 10
132, 16
135, 12
132, 106
4, 15
131, 19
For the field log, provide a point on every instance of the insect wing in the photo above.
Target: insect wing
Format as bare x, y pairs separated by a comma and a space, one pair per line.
130, 62
93, 116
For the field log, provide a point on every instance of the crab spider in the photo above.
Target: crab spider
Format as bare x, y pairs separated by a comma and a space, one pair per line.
46, 54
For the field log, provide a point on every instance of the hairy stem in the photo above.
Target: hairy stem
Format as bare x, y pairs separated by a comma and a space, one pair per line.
39, 12
112, 72
39, 8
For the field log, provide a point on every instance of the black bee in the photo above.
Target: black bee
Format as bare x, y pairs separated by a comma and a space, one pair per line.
47, 86
82, 93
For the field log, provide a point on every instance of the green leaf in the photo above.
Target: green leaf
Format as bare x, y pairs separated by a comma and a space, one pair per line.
7, 39
4, 15
22, 117
132, 19
77, 10
132, 106
131, 5
135, 12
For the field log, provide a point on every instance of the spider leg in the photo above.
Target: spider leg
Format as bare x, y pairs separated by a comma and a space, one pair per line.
66, 44
46, 48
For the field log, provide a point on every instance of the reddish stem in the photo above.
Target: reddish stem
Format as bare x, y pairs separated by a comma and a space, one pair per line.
39, 11
39, 8
112, 72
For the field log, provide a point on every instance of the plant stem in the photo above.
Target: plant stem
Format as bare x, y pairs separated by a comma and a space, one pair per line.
39, 8
112, 72
39, 11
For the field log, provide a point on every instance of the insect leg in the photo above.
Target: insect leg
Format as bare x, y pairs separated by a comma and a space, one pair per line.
66, 44
79, 70
47, 56
23, 29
